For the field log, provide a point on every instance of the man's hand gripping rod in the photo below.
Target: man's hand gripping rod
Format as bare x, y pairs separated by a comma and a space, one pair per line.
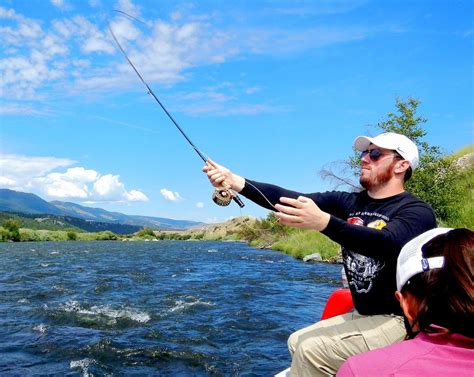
222, 195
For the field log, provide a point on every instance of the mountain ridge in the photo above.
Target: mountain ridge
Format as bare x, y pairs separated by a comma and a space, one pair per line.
28, 203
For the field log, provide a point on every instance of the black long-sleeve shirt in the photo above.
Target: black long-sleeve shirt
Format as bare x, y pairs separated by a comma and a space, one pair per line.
371, 233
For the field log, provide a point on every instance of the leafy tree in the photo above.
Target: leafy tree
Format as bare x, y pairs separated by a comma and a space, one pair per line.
11, 231
266, 230
71, 236
106, 235
145, 232
436, 180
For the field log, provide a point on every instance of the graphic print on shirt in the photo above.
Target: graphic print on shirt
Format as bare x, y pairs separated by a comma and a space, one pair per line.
360, 269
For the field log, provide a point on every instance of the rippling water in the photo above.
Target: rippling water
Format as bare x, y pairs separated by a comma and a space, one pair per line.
153, 308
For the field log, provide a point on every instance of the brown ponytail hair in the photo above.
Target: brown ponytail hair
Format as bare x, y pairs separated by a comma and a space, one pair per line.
446, 294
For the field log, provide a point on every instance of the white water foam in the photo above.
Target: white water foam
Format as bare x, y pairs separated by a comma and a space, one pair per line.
41, 328
188, 302
107, 311
60, 288
84, 365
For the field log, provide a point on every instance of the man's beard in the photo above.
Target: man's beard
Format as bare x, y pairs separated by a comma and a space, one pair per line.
382, 177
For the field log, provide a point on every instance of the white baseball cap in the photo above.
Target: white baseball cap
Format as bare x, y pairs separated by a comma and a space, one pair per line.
390, 140
411, 260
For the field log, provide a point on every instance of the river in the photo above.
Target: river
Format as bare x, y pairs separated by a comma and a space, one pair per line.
167, 308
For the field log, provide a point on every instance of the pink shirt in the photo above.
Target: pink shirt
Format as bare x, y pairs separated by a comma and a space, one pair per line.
426, 355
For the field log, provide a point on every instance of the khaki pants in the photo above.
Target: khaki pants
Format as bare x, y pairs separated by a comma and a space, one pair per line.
320, 349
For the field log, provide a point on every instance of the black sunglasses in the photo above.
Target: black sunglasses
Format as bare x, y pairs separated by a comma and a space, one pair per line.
376, 153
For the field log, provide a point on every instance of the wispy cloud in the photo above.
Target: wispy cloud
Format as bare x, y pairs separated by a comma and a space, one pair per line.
282, 42
171, 196
46, 177
223, 100
76, 56
23, 109
468, 33
59, 3
124, 124
319, 8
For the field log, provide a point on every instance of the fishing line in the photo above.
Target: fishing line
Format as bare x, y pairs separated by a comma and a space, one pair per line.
261, 193
222, 195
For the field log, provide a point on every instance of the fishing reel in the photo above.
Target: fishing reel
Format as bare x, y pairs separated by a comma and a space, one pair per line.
222, 196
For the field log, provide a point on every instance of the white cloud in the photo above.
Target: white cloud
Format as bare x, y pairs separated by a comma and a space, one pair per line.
97, 43
170, 195
136, 196
58, 3
23, 168
252, 90
7, 182
110, 188
41, 58
21, 109
78, 175
200, 205
127, 6
36, 57
40, 175
56, 188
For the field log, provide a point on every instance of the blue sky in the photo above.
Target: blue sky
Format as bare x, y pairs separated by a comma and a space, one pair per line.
275, 90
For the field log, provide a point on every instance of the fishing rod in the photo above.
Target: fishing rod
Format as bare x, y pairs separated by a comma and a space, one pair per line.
222, 195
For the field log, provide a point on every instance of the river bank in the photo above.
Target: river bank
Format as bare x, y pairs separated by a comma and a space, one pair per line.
259, 233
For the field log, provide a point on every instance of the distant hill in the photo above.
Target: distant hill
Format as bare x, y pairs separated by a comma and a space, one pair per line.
53, 222
99, 214
15, 201
31, 204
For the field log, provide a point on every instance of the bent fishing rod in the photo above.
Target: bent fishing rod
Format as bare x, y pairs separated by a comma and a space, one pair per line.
222, 195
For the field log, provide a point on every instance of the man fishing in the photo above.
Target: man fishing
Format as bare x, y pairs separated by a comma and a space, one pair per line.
371, 226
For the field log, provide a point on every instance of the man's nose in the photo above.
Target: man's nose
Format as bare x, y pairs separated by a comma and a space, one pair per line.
365, 158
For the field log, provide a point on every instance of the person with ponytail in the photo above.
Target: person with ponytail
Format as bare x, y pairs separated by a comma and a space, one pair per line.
436, 293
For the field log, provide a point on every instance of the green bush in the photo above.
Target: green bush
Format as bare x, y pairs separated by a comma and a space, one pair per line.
199, 236
71, 236
29, 235
145, 233
11, 231
105, 236
264, 231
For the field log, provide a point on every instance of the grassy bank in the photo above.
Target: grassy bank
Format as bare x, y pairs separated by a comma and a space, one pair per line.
29, 235
268, 233
302, 242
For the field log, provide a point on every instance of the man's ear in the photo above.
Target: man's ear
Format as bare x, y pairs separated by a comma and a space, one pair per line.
401, 166
409, 305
